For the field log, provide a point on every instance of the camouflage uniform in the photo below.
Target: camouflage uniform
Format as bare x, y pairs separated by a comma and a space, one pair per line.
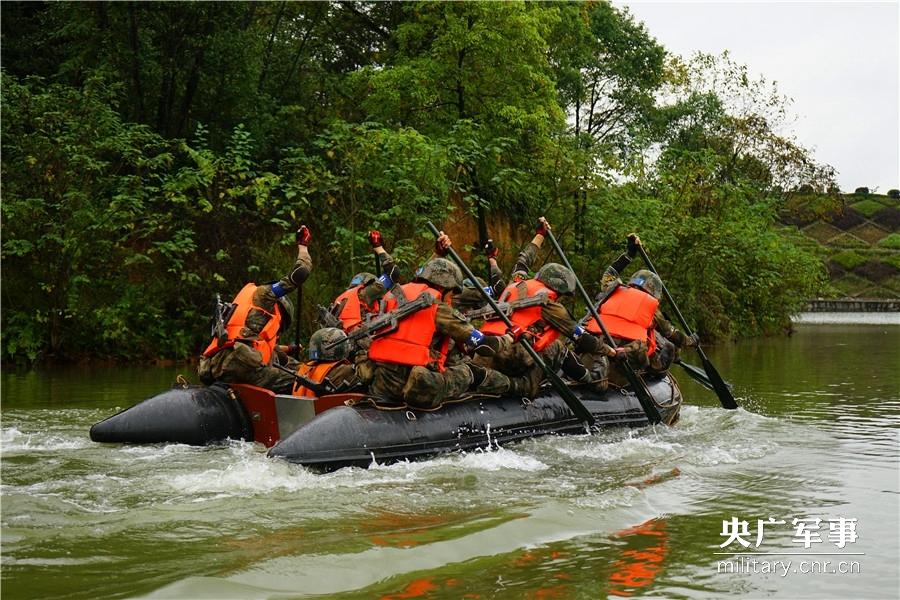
516, 361
242, 364
425, 387
668, 339
375, 291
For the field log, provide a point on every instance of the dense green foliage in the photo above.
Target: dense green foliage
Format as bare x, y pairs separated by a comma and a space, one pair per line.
157, 153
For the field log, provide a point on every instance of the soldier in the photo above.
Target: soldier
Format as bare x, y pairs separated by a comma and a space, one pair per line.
471, 299
366, 290
543, 319
423, 361
329, 364
632, 316
246, 351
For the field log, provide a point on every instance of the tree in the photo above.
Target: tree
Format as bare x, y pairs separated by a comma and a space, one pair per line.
475, 75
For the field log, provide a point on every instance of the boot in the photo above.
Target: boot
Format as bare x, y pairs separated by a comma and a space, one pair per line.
528, 385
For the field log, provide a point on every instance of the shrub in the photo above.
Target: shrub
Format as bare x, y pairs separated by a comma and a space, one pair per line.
894, 194
847, 218
893, 284
862, 191
893, 260
822, 232
888, 217
875, 270
891, 242
870, 232
847, 240
850, 285
868, 207
848, 259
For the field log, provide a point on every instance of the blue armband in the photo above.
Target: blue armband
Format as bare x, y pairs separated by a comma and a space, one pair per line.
278, 290
489, 291
386, 281
579, 331
475, 338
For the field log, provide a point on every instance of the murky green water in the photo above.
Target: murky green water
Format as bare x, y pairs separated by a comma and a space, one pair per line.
623, 513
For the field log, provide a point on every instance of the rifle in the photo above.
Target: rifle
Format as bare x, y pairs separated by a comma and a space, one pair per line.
507, 308
221, 316
606, 295
325, 388
384, 323
328, 318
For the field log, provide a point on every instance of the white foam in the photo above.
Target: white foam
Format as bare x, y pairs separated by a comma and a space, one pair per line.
13, 441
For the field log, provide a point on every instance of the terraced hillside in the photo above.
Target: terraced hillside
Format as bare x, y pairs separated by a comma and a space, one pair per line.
859, 241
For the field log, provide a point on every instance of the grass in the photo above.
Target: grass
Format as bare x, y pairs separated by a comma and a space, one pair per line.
888, 217
876, 270
867, 207
847, 240
851, 286
891, 242
893, 260
870, 233
859, 241
822, 232
893, 285
849, 259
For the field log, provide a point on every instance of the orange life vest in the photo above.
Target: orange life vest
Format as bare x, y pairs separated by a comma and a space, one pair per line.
628, 315
316, 371
526, 318
411, 343
264, 341
351, 315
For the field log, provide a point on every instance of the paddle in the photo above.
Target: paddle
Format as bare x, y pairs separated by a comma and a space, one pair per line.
570, 399
640, 390
697, 374
718, 384
297, 311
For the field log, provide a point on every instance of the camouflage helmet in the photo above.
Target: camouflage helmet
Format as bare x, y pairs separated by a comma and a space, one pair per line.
557, 277
441, 273
647, 281
470, 296
363, 278
326, 344
287, 313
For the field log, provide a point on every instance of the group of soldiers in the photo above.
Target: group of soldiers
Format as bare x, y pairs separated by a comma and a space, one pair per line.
436, 338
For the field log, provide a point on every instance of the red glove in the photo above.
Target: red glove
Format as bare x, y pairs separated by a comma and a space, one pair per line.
490, 250
542, 227
375, 238
303, 236
515, 332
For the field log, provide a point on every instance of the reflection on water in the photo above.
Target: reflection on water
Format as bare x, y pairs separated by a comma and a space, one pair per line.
622, 513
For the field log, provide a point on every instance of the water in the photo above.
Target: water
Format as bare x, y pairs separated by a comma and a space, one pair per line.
623, 513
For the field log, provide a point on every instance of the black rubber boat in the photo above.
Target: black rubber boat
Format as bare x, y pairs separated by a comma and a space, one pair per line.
361, 434
200, 416
342, 430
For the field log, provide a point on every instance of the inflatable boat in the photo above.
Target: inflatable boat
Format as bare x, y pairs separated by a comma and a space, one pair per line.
340, 430
366, 433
